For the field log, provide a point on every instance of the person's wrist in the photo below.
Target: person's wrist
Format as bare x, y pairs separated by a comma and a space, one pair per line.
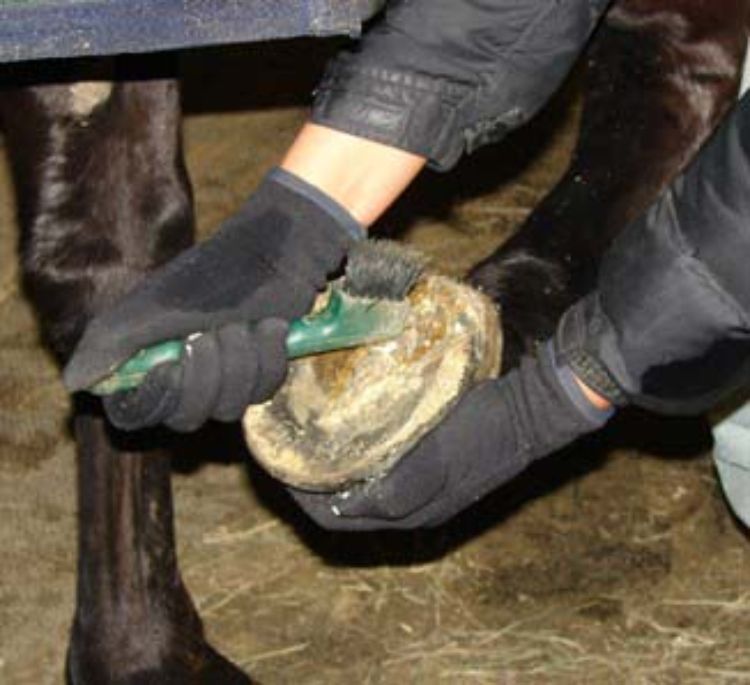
578, 345
597, 400
338, 214
362, 175
595, 408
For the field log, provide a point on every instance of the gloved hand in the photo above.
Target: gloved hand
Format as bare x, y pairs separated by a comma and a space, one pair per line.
263, 267
667, 328
220, 373
494, 433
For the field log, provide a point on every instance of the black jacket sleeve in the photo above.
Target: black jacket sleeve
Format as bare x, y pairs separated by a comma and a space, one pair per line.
443, 77
668, 326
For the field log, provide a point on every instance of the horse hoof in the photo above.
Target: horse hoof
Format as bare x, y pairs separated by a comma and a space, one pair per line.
349, 415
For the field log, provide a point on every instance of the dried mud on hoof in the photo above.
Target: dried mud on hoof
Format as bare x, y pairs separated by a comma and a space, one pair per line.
345, 416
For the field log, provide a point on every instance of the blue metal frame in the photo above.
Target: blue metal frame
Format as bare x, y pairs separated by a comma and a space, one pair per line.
41, 29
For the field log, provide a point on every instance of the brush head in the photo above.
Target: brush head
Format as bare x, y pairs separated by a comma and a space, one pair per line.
382, 270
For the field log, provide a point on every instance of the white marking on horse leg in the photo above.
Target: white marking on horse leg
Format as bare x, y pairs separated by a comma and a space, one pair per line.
86, 96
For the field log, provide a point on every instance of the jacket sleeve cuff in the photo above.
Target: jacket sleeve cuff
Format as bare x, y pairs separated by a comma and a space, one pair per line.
409, 111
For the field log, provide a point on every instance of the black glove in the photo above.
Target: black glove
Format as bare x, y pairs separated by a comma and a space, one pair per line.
220, 374
266, 262
668, 327
494, 433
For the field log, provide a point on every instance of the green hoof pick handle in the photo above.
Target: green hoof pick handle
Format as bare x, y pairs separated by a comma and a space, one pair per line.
345, 321
367, 305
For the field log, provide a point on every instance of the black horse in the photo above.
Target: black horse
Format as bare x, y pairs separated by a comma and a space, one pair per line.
104, 198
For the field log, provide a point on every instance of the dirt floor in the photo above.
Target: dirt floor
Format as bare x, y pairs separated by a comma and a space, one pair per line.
616, 562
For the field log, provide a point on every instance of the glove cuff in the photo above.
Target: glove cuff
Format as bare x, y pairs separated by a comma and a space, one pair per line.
567, 378
580, 320
341, 217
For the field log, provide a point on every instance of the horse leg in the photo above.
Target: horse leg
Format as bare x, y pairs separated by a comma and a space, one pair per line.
103, 198
660, 76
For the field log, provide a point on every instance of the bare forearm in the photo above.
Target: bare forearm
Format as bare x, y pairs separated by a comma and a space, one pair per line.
363, 176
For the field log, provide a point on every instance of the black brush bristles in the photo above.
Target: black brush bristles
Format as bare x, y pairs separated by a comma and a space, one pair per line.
382, 270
